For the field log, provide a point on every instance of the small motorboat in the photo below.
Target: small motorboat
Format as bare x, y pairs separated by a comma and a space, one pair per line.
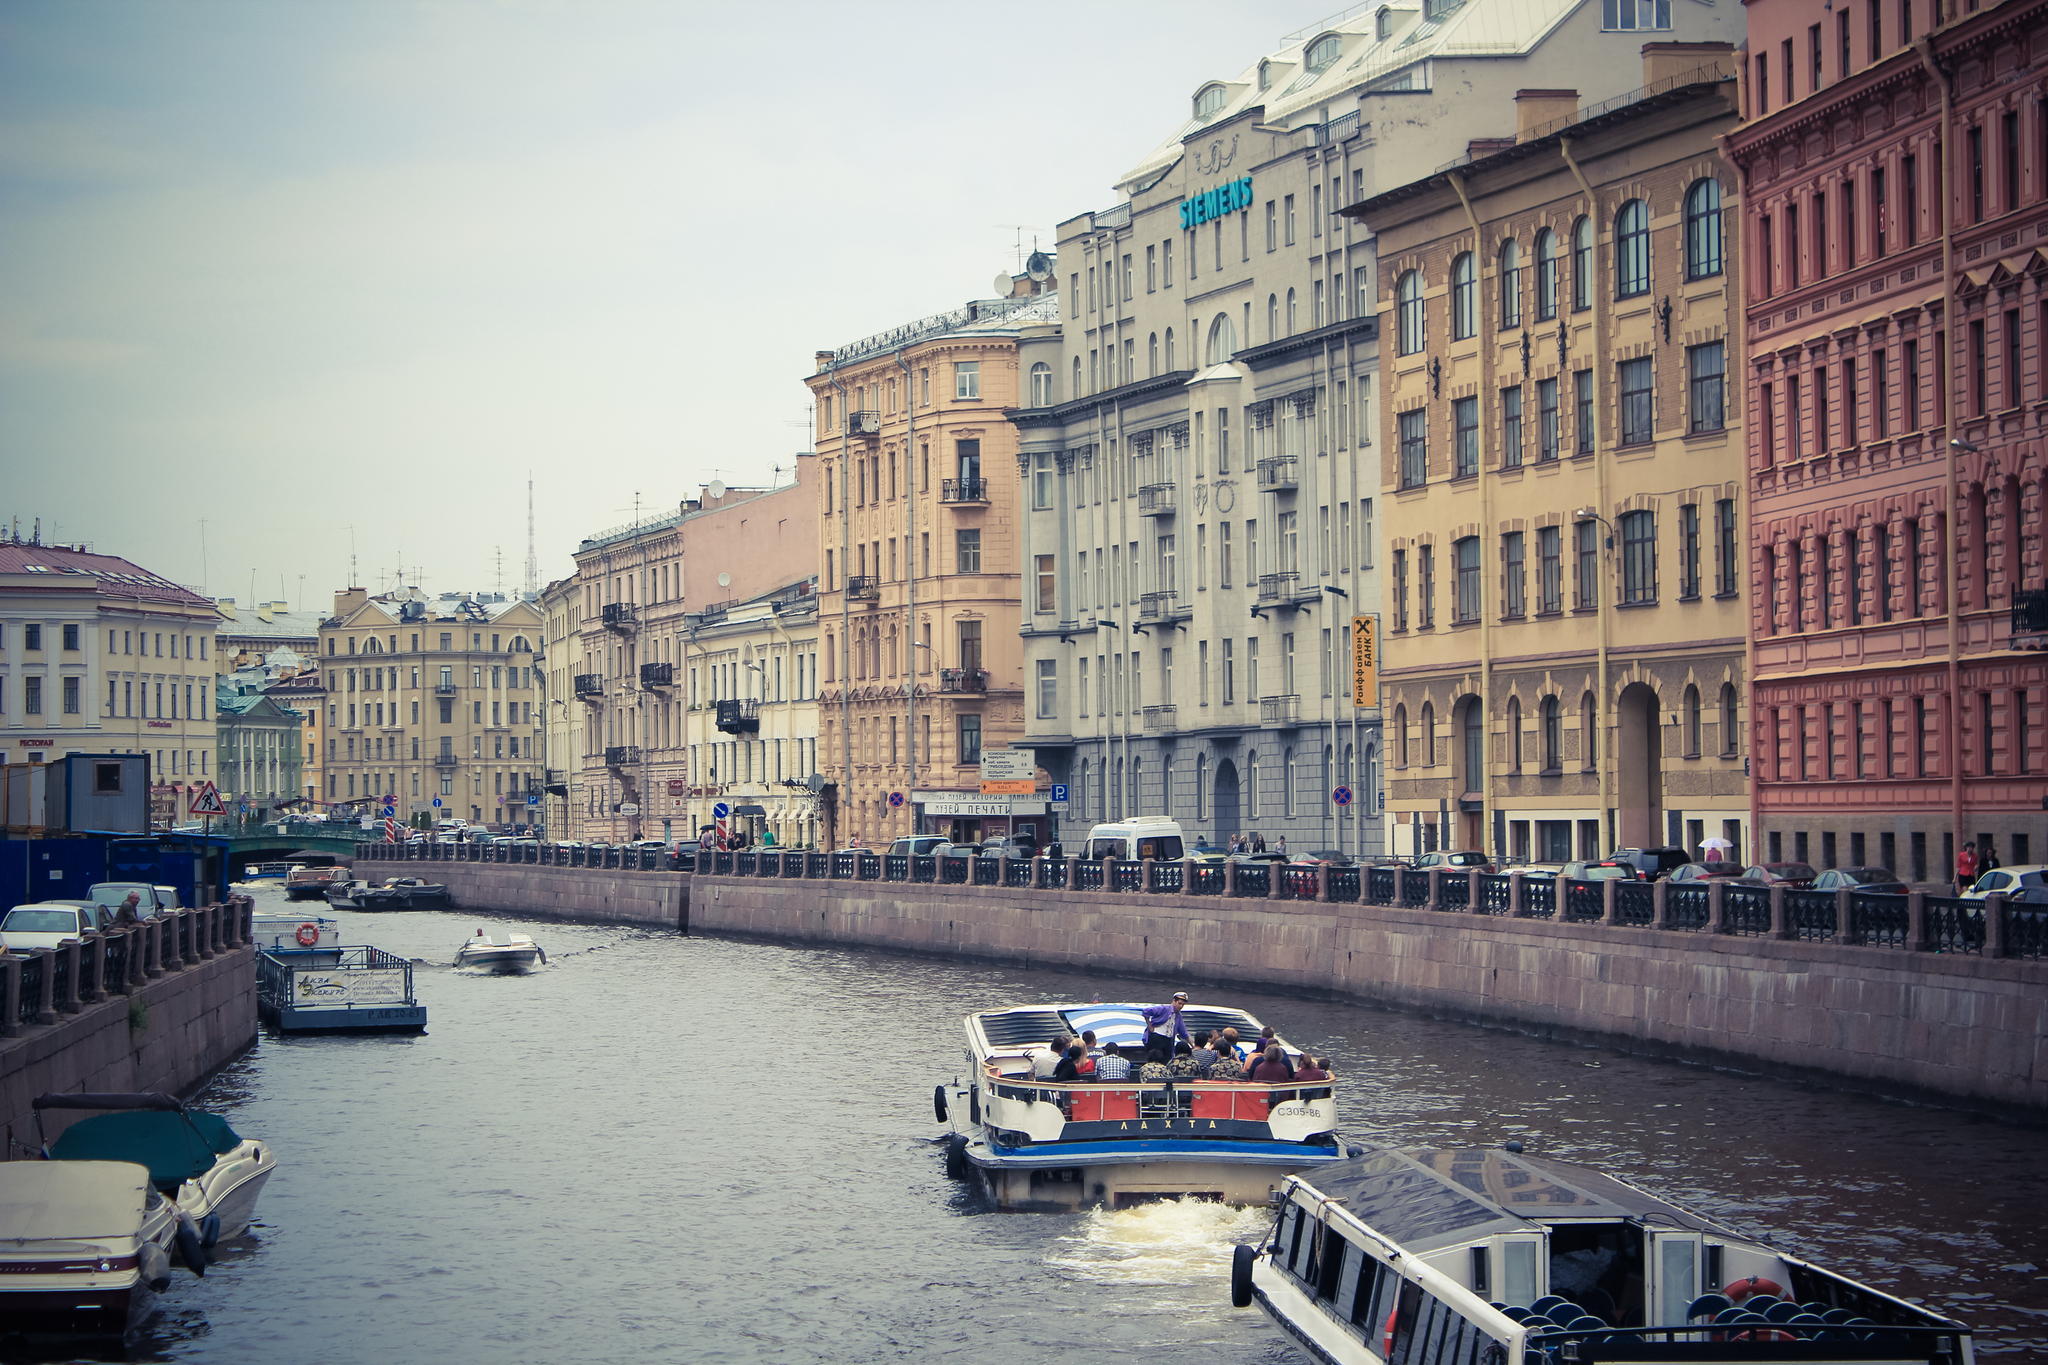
394, 893
311, 883
503, 953
84, 1247
208, 1170
296, 931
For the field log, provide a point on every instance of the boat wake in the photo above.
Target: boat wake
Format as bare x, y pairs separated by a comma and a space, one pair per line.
1175, 1242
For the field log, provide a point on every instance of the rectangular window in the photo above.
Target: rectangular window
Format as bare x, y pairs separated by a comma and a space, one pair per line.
1400, 590
1909, 199
1229, 671
1909, 391
1042, 566
1823, 415
1586, 551
1582, 415
1425, 586
1707, 374
1511, 427
1549, 570
70, 691
1514, 575
1465, 426
1638, 394
967, 550
1689, 551
71, 638
1048, 691
1880, 212
970, 740
1414, 448
32, 696
967, 379
1287, 214
1465, 563
1638, 557
1546, 420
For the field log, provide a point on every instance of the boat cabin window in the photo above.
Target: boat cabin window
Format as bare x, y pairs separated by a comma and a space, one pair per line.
1599, 1266
1518, 1271
1428, 1331
1362, 1292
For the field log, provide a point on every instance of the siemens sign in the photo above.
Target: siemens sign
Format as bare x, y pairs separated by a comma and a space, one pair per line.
1232, 196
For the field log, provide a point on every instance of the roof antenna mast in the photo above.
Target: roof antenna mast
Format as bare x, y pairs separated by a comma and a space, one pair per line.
532, 561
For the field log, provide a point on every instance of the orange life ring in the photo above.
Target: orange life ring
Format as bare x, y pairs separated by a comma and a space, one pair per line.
308, 935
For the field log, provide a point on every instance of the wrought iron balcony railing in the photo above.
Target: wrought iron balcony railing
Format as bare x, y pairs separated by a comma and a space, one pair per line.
739, 715
657, 675
863, 588
1279, 472
1284, 710
1157, 500
1160, 718
1164, 605
1283, 589
2030, 618
446, 689
445, 760
963, 490
963, 680
622, 756
623, 617
589, 686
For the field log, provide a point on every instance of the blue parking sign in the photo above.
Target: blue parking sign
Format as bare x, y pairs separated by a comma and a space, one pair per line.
1059, 791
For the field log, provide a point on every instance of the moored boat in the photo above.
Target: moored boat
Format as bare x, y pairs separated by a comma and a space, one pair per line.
311, 883
295, 931
84, 1247
394, 893
504, 954
1467, 1256
207, 1169
1041, 1144
350, 989
269, 872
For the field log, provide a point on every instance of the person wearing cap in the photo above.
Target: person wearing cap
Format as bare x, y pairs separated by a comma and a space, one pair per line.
1164, 1028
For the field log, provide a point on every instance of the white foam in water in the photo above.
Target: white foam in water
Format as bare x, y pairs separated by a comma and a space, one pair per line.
1184, 1242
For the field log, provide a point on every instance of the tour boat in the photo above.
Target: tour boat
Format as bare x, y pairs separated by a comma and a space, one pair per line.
295, 931
311, 883
84, 1247
504, 954
269, 872
1465, 1256
1035, 1144
205, 1167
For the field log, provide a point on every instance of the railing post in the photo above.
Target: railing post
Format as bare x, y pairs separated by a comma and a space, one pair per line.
92, 967
1323, 883
1916, 921
1515, 884
10, 995
1108, 875
1717, 911
152, 948
1472, 903
1845, 924
1229, 878
1436, 889
1275, 875
1606, 901
171, 959
67, 1003
1187, 876
46, 998
1145, 866
1779, 928
1994, 924
1658, 901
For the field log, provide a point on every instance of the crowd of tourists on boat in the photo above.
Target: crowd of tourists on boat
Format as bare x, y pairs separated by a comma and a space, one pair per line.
1168, 1052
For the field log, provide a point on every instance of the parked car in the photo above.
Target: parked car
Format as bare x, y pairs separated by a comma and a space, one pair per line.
916, 845
44, 924
1797, 875
1331, 857
1601, 870
1467, 860
1723, 871
111, 894
1652, 863
1878, 879
1009, 846
2008, 880
1538, 869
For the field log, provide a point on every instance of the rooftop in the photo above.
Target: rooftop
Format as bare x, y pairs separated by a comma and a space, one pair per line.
112, 576
980, 317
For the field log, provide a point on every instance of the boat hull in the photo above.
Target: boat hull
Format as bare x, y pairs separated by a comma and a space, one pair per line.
1063, 1177
228, 1192
503, 961
106, 1310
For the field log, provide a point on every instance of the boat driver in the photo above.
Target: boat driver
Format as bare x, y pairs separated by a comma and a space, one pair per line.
1165, 1030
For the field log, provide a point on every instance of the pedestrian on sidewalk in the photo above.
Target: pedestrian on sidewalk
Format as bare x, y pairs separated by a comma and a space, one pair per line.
1987, 858
1966, 867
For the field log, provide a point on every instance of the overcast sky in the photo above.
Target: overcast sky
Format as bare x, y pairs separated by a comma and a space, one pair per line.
297, 268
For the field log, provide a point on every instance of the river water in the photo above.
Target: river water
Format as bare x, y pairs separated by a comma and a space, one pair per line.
701, 1150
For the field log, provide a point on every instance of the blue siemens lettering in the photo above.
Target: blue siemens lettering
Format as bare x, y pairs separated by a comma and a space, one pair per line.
1232, 196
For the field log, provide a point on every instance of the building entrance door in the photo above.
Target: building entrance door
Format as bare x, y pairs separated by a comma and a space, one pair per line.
1638, 763
1226, 803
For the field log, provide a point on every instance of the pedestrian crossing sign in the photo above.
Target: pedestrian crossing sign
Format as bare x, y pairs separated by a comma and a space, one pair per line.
206, 801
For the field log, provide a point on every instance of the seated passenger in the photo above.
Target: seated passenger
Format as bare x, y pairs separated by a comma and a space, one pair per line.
1312, 1069
1088, 1043
1204, 1056
1154, 1070
1085, 1063
1227, 1068
1065, 1069
1112, 1065
1271, 1068
1045, 1059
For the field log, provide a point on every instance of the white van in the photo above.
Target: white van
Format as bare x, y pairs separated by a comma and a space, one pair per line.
1141, 836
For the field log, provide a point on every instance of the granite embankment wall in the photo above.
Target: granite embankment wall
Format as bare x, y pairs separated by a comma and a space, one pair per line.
160, 1010
1948, 1025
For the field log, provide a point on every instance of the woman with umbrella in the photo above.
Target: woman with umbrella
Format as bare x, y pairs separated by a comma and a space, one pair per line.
1715, 848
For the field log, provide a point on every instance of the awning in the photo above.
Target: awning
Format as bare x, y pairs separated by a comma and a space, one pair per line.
759, 811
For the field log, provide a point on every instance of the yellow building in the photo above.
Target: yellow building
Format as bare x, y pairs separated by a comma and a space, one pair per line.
561, 661
436, 704
1562, 476
752, 722
919, 593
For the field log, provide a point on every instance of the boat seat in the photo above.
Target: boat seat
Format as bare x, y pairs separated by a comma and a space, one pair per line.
1838, 1316
1782, 1311
1548, 1302
1760, 1303
1705, 1306
1585, 1322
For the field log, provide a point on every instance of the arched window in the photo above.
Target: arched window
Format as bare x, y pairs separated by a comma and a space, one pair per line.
1429, 734
1166, 801
1134, 795
1589, 732
1265, 75
1202, 788
1272, 317
1551, 716
1464, 297
1152, 354
1209, 100
1041, 385
1408, 313
1076, 390
1251, 788
1322, 54
1730, 735
1632, 250
1472, 743
1582, 263
1691, 713
1510, 283
1546, 274
1514, 734
1291, 323
1401, 736
1081, 790
1703, 250
1222, 340
1370, 797
1169, 350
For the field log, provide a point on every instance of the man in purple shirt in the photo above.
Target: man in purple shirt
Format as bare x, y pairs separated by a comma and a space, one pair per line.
1164, 1028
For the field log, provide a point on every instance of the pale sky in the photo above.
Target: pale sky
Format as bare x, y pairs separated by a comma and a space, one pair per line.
300, 266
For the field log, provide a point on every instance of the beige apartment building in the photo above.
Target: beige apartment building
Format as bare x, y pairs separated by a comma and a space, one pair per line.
919, 594
561, 745
1561, 471
433, 703
752, 722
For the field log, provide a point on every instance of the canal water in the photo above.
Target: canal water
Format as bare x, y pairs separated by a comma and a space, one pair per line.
700, 1150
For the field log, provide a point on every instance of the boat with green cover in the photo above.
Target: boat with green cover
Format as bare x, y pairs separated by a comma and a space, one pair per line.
198, 1161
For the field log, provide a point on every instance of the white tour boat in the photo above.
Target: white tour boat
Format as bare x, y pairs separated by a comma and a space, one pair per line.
211, 1172
503, 953
295, 931
1479, 1256
84, 1247
1039, 1144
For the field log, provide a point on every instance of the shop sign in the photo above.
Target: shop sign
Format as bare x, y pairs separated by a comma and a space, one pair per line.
1232, 196
962, 803
1365, 661
37, 743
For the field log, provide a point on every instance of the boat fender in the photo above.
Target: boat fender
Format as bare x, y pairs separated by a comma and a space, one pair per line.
156, 1267
308, 935
939, 1103
974, 1108
1241, 1260
209, 1231
191, 1250
956, 1157
1749, 1285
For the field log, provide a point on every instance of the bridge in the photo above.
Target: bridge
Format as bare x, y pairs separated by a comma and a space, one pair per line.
241, 850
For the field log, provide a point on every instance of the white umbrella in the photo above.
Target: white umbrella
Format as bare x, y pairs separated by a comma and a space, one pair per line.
1715, 841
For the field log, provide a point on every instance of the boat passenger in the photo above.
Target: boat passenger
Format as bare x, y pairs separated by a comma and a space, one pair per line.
1112, 1065
1312, 1068
1205, 1055
1164, 1027
1154, 1070
1271, 1068
1045, 1059
1066, 1068
1094, 1049
1084, 1064
1227, 1068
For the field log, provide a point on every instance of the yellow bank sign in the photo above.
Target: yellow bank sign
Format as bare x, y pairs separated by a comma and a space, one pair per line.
1365, 661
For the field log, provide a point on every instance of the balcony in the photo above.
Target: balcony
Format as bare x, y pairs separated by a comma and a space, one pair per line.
864, 424
963, 490
1162, 607
1279, 473
653, 676
1284, 589
739, 715
1159, 719
446, 689
2030, 618
590, 686
622, 756
445, 761
963, 680
622, 617
1158, 500
863, 589
1284, 712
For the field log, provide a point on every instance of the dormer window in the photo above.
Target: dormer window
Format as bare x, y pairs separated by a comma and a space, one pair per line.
1209, 101
1383, 23
1265, 75
1322, 54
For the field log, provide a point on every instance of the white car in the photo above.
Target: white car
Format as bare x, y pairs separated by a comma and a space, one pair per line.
2008, 880
44, 925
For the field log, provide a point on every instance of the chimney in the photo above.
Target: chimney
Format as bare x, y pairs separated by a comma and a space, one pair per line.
1535, 108
1669, 61
1480, 147
824, 358
348, 601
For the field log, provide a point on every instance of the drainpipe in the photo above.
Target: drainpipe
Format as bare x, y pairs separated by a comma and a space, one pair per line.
845, 616
1923, 47
1564, 149
910, 658
1486, 387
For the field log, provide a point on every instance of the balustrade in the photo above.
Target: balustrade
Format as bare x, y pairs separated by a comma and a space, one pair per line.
1746, 910
1584, 902
1124, 875
1539, 898
1635, 904
1687, 905
1952, 925
1810, 915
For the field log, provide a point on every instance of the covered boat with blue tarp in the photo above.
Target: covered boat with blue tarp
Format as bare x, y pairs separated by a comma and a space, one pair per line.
208, 1170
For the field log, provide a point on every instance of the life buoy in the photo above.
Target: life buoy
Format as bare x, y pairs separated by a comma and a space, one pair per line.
1751, 1285
308, 935
1387, 1333
1241, 1259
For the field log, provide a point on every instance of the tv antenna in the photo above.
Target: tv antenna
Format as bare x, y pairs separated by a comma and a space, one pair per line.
532, 561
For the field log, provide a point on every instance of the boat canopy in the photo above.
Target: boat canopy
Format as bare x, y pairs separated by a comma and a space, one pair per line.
176, 1147
1123, 1025
71, 1200
1427, 1200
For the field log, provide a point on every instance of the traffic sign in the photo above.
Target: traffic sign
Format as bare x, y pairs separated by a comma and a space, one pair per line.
206, 800
1058, 792
629, 807
895, 798
437, 803
720, 810
533, 798
1342, 796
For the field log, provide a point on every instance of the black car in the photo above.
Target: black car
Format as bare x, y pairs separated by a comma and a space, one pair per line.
1652, 863
1877, 879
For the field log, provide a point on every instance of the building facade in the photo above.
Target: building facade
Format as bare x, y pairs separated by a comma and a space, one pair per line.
1561, 479
560, 663
261, 747
264, 633
1894, 160
1203, 526
435, 705
99, 655
752, 721
918, 585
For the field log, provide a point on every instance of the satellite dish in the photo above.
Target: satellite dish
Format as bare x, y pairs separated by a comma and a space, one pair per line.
725, 580
1038, 266
716, 488
1004, 284
816, 782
